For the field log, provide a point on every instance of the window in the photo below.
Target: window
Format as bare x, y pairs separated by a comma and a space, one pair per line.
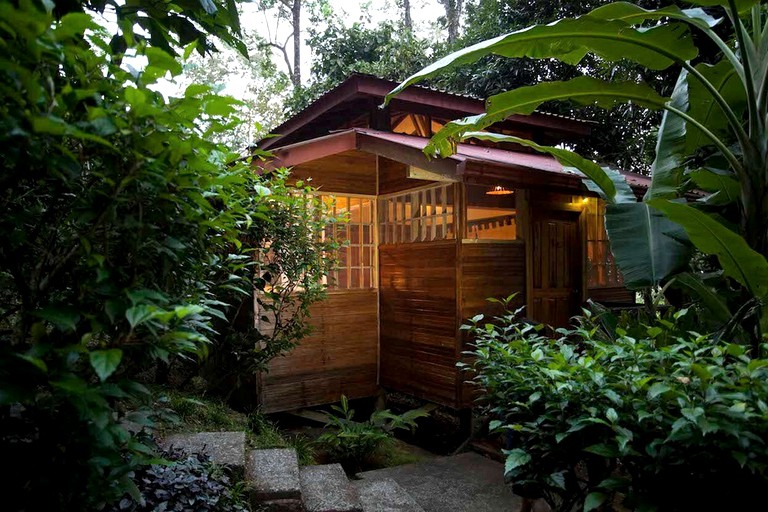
602, 270
356, 266
491, 213
422, 215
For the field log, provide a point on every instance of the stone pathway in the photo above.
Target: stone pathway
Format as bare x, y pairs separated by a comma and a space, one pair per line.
467, 482
461, 483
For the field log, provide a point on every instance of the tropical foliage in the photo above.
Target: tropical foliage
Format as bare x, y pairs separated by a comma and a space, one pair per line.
640, 410
128, 242
712, 137
353, 442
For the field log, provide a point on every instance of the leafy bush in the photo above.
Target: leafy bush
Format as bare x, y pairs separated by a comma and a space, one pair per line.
184, 483
352, 442
126, 243
660, 417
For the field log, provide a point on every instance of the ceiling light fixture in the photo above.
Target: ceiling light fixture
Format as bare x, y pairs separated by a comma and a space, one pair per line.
498, 190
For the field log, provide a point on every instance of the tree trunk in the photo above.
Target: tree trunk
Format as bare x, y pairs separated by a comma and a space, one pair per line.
407, 21
452, 16
296, 13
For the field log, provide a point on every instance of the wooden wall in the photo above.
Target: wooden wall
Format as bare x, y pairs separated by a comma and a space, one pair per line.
419, 336
339, 357
350, 172
488, 269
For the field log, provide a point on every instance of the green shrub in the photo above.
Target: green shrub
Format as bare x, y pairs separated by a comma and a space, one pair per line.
353, 443
673, 420
128, 242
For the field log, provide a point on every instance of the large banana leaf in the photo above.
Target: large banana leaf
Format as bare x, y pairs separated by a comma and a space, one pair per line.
718, 313
725, 79
725, 189
607, 182
569, 40
634, 14
738, 259
647, 246
524, 100
667, 167
741, 5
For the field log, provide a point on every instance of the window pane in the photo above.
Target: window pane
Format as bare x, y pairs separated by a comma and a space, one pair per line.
355, 215
491, 213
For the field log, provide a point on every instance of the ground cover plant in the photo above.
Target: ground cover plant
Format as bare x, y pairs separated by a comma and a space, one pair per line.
593, 412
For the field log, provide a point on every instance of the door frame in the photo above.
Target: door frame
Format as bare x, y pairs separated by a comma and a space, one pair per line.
528, 206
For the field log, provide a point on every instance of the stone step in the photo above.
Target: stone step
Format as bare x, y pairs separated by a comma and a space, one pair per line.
326, 489
385, 496
273, 476
224, 448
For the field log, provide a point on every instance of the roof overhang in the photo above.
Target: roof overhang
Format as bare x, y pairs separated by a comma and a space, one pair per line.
372, 90
470, 163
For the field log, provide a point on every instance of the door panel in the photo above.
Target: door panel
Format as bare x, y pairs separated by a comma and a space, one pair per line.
556, 264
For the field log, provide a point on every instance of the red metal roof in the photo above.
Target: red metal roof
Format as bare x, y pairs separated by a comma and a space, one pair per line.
324, 112
361, 138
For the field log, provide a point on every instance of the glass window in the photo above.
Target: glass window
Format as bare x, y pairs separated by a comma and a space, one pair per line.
491, 213
356, 267
602, 270
422, 215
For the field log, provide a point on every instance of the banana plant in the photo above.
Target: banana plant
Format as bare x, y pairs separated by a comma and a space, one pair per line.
712, 137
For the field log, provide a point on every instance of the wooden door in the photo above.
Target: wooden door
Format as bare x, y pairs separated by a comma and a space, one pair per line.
556, 266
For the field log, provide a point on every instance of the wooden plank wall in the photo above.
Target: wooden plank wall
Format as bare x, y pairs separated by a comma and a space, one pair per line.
492, 269
351, 172
418, 297
339, 357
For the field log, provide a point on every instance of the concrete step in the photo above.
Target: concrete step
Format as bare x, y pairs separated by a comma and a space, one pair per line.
225, 448
385, 495
326, 489
273, 475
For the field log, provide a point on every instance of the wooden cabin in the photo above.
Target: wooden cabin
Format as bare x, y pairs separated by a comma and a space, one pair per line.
431, 240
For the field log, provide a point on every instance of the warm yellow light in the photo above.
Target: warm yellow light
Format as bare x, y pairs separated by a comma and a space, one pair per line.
498, 190
584, 200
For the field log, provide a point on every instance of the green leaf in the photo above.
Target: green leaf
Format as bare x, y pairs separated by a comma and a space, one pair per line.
738, 259
594, 500
74, 24
603, 450
716, 308
569, 40
105, 362
724, 187
667, 167
515, 459
164, 61
741, 5
703, 107
494, 424
139, 314
570, 160
647, 246
633, 14
65, 318
657, 389
612, 415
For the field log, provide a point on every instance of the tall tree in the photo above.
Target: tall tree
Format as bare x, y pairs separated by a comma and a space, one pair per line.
290, 11
405, 5
452, 18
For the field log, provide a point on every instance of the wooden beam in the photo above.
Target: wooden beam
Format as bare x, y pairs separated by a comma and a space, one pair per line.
314, 149
411, 156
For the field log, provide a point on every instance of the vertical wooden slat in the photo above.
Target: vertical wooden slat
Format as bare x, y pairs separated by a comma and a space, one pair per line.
433, 207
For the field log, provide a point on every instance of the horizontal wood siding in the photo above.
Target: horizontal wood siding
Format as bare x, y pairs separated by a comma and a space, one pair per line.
488, 270
350, 172
615, 295
339, 357
491, 270
418, 319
